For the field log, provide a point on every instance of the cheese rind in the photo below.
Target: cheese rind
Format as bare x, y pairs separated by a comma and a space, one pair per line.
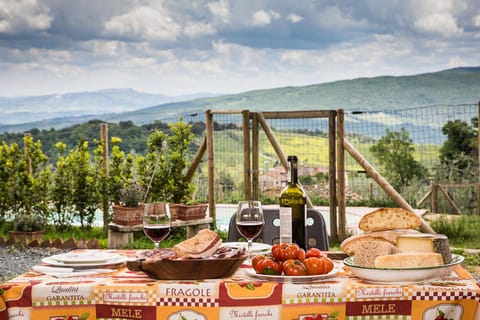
409, 260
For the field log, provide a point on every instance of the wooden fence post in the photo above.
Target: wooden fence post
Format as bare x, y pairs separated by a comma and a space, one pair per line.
434, 197
247, 181
210, 166
332, 176
255, 158
342, 219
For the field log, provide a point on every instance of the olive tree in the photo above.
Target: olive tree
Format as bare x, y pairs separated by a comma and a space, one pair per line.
395, 153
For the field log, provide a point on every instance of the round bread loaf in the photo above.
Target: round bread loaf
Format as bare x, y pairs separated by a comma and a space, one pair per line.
388, 219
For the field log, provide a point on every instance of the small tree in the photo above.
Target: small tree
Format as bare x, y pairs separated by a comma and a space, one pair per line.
61, 191
162, 168
151, 168
38, 177
24, 178
461, 144
85, 196
177, 161
395, 152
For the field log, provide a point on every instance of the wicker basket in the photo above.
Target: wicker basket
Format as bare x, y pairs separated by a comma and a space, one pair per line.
127, 216
188, 212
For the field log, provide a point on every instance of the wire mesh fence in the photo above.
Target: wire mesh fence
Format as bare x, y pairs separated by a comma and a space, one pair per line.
308, 139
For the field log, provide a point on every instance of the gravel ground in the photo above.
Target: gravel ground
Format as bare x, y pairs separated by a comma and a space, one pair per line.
17, 260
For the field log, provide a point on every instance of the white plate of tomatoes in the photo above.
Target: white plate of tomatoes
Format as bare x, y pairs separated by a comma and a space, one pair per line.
287, 262
294, 279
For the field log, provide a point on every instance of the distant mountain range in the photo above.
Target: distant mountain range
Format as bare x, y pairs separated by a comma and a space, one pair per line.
15, 110
448, 87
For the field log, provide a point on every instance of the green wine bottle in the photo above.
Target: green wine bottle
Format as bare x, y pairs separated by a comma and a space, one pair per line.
293, 209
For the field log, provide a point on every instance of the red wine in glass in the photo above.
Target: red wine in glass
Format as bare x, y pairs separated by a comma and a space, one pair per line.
250, 229
156, 233
156, 222
249, 220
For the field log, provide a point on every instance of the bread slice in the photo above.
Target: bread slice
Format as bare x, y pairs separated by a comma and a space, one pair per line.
389, 236
367, 251
202, 245
409, 260
388, 219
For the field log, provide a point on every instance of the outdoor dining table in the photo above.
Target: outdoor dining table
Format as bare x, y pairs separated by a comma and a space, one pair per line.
127, 294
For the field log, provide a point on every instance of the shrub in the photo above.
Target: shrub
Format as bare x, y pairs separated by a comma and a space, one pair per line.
29, 223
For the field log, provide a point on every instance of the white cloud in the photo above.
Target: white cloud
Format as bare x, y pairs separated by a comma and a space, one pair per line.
333, 17
262, 18
220, 10
17, 16
145, 23
198, 29
439, 23
436, 17
456, 61
293, 56
311, 42
294, 18
476, 20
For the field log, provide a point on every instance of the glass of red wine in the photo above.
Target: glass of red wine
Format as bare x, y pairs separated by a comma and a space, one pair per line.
156, 222
249, 220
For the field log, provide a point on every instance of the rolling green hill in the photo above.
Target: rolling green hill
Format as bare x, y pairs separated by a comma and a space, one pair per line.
449, 87
454, 86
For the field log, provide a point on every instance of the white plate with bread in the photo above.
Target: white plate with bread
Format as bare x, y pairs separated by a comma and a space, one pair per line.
402, 275
390, 249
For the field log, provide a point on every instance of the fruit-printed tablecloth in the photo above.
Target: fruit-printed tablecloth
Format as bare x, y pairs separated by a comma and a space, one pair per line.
124, 294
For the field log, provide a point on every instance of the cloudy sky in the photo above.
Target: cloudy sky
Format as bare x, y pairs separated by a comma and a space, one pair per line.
224, 46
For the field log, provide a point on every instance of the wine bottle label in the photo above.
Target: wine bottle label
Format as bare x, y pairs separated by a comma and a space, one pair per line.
285, 224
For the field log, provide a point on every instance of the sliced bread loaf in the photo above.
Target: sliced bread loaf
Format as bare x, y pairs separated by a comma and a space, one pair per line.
390, 236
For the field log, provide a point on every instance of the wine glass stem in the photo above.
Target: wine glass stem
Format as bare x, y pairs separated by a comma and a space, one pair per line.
249, 248
155, 245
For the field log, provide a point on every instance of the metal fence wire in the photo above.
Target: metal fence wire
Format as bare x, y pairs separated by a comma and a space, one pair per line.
308, 139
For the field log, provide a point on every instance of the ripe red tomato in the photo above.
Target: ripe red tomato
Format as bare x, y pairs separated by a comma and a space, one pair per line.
256, 259
313, 252
301, 254
318, 265
294, 267
285, 251
268, 266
